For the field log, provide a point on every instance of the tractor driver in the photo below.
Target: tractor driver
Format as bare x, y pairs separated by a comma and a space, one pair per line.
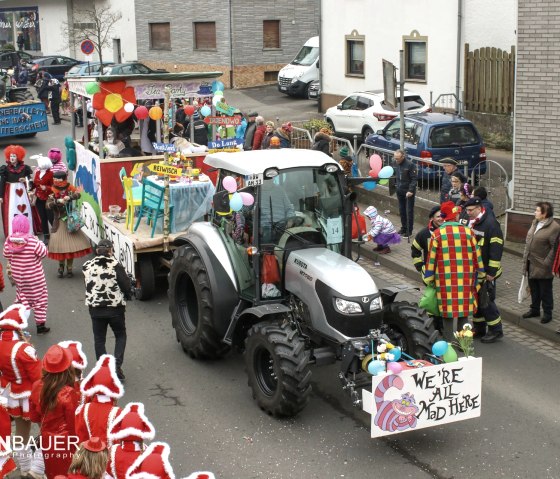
276, 209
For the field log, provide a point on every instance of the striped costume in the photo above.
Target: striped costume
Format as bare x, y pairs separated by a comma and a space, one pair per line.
454, 262
25, 259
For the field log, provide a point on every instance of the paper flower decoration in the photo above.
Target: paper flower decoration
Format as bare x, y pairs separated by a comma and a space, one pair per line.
109, 103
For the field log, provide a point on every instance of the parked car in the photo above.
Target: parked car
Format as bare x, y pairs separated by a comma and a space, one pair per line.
132, 68
365, 112
85, 69
314, 91
435, 136
56, 65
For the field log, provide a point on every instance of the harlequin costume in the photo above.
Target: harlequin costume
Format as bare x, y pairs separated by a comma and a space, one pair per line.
58, 442
130, 428
25, 254
63, 245
101, 388
153, 463
13, 192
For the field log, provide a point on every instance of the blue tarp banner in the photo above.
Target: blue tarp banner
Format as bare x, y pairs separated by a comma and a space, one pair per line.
23, 119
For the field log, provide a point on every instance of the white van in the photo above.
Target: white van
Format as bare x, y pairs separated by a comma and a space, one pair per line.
296, 77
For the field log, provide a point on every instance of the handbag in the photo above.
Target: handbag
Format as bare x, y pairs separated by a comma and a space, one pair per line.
524, 290
429, 301
74, 220
270, 271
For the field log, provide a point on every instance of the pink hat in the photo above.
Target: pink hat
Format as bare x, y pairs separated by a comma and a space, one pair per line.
14, 317
132, 425
102, 379
153, 463
20, 224
79, 359
370, 212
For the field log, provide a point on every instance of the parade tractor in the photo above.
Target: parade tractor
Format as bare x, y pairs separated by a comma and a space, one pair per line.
275, 278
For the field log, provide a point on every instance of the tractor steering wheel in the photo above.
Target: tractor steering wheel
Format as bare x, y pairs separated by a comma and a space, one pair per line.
283, 224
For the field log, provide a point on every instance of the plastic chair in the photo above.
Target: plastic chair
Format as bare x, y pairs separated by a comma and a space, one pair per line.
131, 201
152, 205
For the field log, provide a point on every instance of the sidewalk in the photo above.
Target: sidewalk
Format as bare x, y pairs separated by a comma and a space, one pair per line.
399, 261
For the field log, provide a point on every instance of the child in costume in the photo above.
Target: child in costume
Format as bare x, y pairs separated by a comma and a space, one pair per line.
153, 463
55, 155
42, 188
25, 254
382, 231
90, 460
13, 191
63, 245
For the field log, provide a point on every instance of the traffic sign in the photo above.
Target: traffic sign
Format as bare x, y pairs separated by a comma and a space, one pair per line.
222, 120
87, 47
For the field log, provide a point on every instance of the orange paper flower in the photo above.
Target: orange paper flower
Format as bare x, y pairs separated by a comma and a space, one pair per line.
110, 101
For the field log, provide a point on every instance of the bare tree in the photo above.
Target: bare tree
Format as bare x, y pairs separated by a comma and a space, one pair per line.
95, 23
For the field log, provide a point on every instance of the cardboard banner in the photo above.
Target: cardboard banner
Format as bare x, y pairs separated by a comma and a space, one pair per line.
229, 143
222, 120
163, 147
224, 108
424, 397
155, 89
161, 170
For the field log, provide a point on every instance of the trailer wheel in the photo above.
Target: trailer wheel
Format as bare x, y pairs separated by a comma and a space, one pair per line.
412, 329
277, 364
191, 306
145, 278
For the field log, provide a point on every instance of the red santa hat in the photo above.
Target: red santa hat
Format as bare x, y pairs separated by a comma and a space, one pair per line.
102, 379
14, 317
153, 463
449, 211
79, 359
132, 425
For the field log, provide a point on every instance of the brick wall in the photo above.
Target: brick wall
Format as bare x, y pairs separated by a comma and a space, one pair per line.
298, 22
537, 105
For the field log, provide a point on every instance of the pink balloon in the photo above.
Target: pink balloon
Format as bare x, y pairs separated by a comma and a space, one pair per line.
395, 368
376, 163
229, 184
247, 198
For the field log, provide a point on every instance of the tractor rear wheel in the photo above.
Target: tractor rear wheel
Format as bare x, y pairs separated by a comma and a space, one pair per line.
412, 329
277, 364
21, 95
191, 303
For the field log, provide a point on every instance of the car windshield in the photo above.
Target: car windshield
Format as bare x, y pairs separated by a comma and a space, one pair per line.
74, 70
449, 136
306, 56
139, 68
411, 103
301, 207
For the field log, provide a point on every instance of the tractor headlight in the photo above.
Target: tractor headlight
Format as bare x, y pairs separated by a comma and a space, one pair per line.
347, 307
376, 303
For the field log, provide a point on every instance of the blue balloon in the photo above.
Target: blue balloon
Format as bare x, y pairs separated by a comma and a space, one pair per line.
217, 86
375, 367
396, 352
205, 110
439, 348
236, 202
386, 172
370, 185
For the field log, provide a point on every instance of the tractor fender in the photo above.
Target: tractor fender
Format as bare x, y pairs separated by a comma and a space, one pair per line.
389, 293
223, 289
266, 310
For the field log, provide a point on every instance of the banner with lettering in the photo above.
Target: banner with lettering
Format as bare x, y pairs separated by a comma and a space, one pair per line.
424, 397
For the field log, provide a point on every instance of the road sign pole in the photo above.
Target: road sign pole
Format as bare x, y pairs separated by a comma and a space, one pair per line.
167, 96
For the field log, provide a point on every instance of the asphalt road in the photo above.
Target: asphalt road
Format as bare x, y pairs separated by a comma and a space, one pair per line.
204, 409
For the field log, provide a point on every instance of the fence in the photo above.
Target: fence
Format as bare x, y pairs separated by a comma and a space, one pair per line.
489, 80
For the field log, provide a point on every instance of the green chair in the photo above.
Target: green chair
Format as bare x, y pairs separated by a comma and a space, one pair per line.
152, 205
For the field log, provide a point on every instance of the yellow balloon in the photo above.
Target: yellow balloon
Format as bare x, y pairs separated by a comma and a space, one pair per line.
156, 113
113, 102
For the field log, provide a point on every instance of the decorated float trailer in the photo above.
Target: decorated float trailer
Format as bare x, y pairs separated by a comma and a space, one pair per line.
144, 251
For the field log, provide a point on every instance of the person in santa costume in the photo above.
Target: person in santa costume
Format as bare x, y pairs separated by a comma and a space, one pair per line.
19, 369
53, 404
128, 433
79, 362
14, 176
25, 254
41, 188
153, 463
7, 464
90, 461
101, 388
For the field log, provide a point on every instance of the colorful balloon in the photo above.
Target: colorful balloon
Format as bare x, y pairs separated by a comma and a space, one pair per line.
370, 185
129, 107
248, 198
156, 113
216, 100
372, 173
205, 110
375, 163
236, 202
141, 112
229, 184
439, 348
217, 85
450, 355
394, 367
384, 181
189, 110
386, 172
219, 93
396, 352
375, 367
92, 88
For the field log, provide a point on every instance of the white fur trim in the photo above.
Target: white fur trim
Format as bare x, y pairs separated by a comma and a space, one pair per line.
196, 475
130, 474
15, 368
112, 454
110, 420
67, 344
131, 431
86, 420
24, 313
101, 389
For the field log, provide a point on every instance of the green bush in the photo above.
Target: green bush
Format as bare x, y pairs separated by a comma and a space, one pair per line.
8, 47
315, 125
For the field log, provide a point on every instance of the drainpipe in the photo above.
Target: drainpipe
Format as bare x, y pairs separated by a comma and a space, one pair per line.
230, 45
459, 50
321, 66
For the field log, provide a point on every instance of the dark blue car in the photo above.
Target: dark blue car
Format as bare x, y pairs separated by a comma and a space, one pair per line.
435, 136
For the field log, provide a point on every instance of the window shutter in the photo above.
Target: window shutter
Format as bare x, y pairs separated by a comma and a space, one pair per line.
205, 36
160, 36
271, 33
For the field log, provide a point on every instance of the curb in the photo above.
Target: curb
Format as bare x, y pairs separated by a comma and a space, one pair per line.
508, 314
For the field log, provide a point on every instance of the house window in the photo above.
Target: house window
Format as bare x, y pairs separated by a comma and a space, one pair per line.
205, 35
355, 54
415, 55
271, 33
160, 36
